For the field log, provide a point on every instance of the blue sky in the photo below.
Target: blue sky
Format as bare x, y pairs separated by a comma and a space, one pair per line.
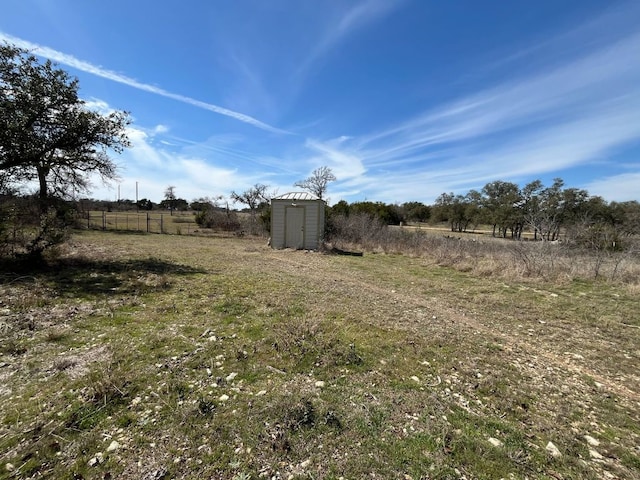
402, 99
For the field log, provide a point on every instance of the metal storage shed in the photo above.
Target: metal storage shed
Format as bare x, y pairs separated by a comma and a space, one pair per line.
297, 221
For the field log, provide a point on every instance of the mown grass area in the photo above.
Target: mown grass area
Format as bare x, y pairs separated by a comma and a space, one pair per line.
147, 356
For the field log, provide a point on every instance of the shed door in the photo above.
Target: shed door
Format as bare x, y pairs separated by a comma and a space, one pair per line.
294, 227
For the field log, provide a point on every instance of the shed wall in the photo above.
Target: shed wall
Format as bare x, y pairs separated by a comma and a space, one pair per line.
313, 222
277, 224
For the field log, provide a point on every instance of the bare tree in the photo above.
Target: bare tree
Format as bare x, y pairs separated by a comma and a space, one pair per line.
253, 198
318, 181
170, 197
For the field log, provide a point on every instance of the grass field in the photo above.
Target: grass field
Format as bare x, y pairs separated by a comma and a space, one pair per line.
162, 356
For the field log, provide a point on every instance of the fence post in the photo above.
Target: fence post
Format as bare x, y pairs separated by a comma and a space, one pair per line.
147, 222
88, 220
162, 223
104, 220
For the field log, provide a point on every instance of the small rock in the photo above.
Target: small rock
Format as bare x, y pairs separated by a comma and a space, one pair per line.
553, 450
415, 379
10, 467
306, 463
231, 376
495, 442
595, 455
113, 446
223, 398
320, 384
592, 441
261, 392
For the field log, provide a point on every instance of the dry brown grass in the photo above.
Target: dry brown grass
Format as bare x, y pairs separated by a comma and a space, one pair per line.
485, 256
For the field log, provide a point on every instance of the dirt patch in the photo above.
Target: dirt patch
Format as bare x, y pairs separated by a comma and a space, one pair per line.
76, 365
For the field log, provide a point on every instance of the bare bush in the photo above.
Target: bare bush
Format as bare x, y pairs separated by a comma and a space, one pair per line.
361, 230
225, 220
26, 231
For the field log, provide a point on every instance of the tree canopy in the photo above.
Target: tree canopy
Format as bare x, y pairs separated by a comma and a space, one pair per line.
47, 132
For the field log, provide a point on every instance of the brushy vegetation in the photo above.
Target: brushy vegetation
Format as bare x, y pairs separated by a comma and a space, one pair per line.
486, 256
158, 356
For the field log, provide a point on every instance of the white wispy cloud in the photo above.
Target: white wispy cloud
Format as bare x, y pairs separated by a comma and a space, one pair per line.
557, 118
348, 21
581, 87
558, 115
98, 105
357, 16
71, 61
153, 165
344, 164
618, 188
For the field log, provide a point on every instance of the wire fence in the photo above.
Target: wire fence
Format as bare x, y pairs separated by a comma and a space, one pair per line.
149, 222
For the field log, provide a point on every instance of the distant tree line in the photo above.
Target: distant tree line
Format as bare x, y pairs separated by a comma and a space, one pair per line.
548, 213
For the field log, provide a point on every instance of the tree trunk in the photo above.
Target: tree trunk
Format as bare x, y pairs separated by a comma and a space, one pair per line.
43, 194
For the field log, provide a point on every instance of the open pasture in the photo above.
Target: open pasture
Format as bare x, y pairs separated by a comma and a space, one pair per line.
165, 356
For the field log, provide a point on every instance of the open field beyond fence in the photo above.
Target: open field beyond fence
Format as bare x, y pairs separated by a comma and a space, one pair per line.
159, 356
150, 222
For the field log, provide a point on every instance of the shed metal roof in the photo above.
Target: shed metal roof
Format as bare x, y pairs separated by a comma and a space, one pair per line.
296, 196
